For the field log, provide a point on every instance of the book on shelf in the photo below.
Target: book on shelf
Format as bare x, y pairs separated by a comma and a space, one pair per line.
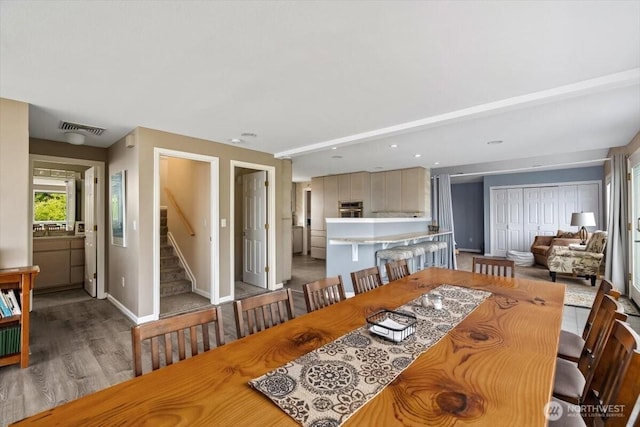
9, 340
5, 311
9, 303
14, 297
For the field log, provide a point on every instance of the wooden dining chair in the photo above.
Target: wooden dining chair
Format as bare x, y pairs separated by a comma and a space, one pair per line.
614, 383
166, 332
366, 280
259, 312
397, 269
323, 293
493, 266
571, 345
571, 378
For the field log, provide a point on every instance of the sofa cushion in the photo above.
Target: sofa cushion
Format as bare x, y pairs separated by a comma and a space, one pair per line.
568, 234
540, 250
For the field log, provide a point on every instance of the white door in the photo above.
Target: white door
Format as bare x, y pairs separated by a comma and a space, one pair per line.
254, 228
90, 280
635, 235
499, 221
568, 195
540, 216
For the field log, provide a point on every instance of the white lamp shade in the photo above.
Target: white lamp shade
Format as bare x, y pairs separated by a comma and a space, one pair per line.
583, 219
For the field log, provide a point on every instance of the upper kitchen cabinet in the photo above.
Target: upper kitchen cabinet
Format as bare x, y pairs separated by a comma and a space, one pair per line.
353, 187
403, 190
330, 197
317, 203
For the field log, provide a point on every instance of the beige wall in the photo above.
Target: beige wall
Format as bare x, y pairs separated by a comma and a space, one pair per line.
15, 233
189, 183
124, 262
136, 260
62, 149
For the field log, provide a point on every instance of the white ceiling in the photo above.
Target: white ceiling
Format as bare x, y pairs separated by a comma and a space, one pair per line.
438, 78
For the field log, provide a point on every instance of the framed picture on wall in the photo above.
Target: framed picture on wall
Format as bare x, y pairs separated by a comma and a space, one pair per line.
118, 208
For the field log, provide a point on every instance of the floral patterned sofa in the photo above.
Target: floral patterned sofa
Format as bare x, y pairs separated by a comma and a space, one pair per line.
579, 262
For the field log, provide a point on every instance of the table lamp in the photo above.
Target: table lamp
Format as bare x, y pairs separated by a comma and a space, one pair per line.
583, 220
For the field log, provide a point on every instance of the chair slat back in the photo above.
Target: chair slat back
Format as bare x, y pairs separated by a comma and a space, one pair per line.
605, 288
610, 311
615, 381
259, 312
493, 266
164, 332
397, 269
366, 279
324, 292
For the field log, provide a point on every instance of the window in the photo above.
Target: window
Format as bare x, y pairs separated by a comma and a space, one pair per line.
49, 206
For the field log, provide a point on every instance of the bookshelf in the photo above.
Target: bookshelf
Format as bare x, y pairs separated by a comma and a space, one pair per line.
21, 278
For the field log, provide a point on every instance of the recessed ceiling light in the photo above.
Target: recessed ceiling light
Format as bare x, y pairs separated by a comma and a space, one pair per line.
334, 148
495, 142
236, 140
393, 146
249, 134
336, 157
378, 167
417, 155
436, 163
536, 166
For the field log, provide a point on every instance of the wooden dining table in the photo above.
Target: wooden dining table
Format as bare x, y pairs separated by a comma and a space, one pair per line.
495, 368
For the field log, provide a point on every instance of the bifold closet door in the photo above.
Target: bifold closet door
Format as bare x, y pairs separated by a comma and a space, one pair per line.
507, 220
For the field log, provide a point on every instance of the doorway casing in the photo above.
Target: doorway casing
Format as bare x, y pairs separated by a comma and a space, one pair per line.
271, 220
213, 162
99, 214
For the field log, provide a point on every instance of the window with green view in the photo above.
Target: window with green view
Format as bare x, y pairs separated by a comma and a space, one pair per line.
49, 206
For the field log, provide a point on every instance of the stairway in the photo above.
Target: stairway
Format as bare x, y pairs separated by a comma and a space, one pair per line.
173, 280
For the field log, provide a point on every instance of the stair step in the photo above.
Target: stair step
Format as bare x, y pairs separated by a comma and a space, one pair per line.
166, 251
164, 241
168, 261
175, 287
172, 274
164, 230
163, 221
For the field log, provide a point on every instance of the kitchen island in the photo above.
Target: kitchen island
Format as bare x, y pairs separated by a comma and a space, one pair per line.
352, 242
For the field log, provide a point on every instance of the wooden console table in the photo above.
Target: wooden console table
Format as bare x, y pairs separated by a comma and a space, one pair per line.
21, 278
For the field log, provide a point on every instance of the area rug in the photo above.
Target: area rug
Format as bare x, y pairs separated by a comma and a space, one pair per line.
579, 292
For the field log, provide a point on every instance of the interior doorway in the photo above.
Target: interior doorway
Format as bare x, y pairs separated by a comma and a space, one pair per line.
252, 227
187, 186
94, 252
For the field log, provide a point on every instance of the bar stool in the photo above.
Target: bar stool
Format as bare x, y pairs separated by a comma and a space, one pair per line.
431, 248
393, 254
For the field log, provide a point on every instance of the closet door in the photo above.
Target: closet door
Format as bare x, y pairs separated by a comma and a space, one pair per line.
568, 204
507, 221
540, 213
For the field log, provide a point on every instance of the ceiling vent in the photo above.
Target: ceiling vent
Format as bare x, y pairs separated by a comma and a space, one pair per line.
70, 127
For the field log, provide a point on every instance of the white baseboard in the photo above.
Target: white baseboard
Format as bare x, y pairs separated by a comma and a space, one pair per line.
135, 319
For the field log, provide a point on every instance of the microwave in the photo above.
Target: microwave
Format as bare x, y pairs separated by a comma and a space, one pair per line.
350, 209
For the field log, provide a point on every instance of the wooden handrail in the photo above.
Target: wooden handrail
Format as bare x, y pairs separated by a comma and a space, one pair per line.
183, 218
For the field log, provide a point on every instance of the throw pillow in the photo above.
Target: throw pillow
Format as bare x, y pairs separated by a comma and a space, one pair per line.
568, 234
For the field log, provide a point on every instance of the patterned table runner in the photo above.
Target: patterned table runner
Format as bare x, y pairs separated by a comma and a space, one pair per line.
328, 385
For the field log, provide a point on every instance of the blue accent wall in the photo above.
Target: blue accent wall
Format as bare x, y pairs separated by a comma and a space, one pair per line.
593, 173
468, 215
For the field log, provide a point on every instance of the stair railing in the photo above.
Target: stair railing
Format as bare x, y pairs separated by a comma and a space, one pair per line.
181, 215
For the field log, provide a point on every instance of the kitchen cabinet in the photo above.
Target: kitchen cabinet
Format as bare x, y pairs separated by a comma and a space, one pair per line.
61, 262
359, 184
344, 187
330, 197
402, 190
317, 203
296, 239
